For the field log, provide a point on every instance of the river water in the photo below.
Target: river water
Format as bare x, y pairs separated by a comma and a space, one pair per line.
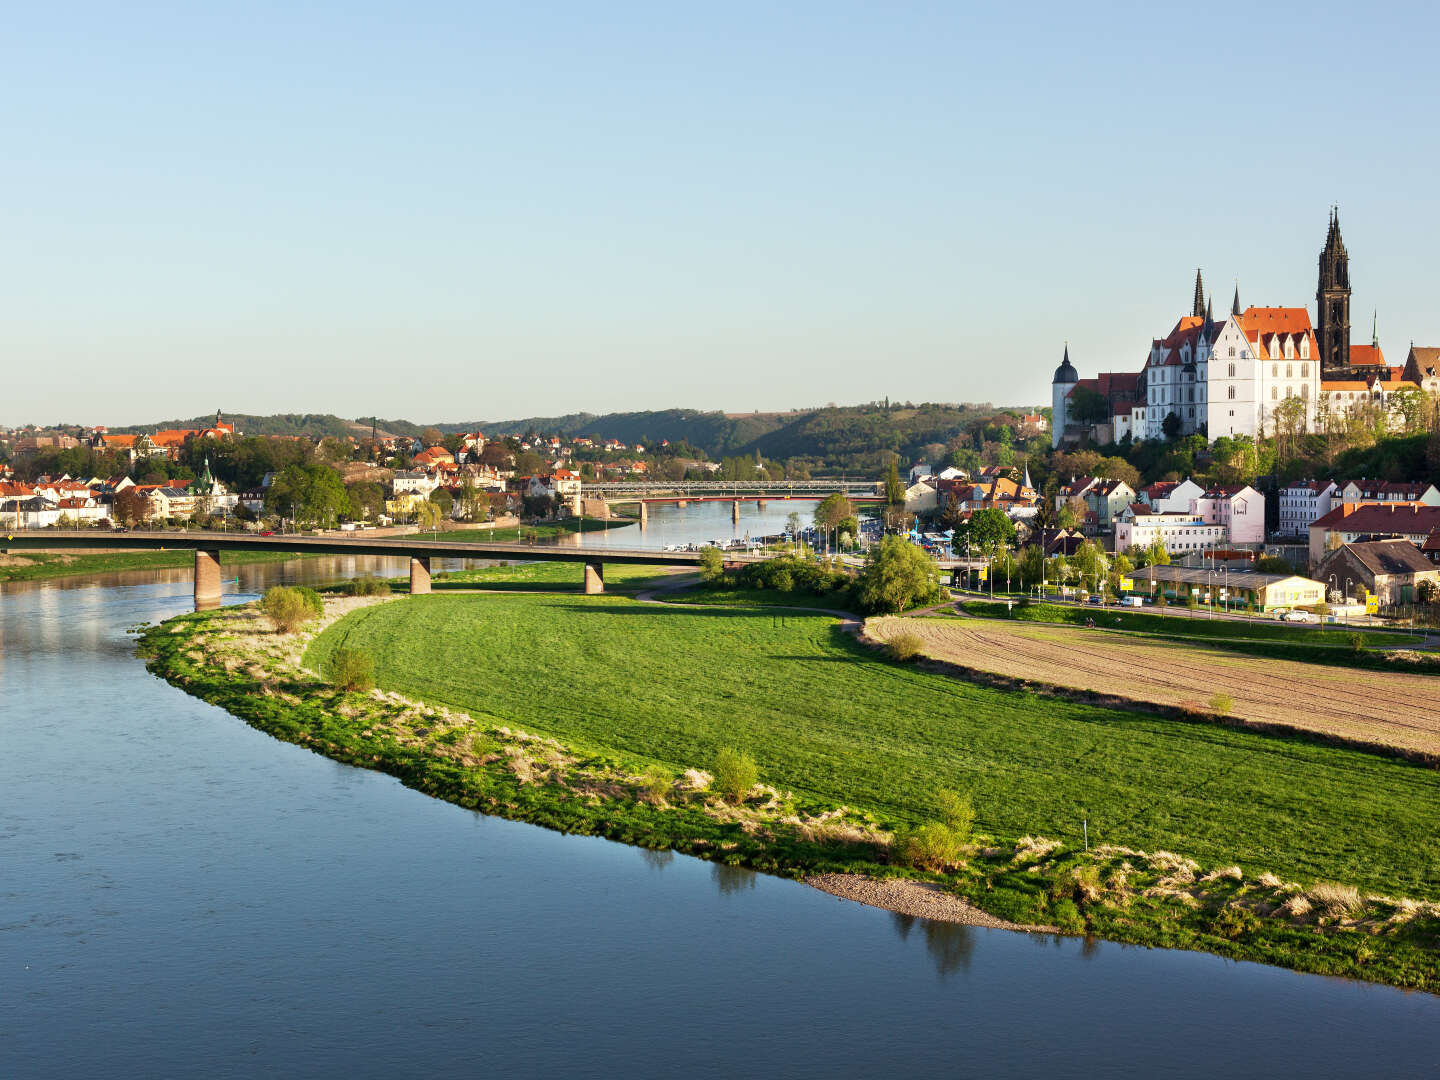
699, 523
181, 895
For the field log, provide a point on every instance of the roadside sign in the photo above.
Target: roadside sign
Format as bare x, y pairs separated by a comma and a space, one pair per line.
1126, 584
1372, 604
984, 573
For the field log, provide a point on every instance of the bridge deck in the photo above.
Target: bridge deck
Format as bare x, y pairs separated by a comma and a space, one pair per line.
399, 547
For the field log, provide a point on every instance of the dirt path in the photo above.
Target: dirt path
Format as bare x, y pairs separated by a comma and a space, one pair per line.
923, 899
1376, 708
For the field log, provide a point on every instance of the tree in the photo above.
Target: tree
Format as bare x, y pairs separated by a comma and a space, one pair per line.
988, 530
792, 524
367, 498
897, 576
832, 510
528, 463
308, 493
442, 498
130, 507
1032, 563
427, 514
1170, 425
1072, 514
473, 503
1087, 406
432, 436
894, 489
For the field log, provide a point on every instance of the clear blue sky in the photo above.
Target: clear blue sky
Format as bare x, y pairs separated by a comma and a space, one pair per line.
453, 211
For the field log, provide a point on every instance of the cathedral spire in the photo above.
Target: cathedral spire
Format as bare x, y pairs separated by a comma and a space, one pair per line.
1332, 302
1235, 304
1375, 327
1199, 308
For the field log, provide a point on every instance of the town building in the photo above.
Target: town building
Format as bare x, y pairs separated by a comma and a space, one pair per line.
1239, 509
1233, 588
1353, 523
1391, 570
1303, 502
1179, 534
1172, 496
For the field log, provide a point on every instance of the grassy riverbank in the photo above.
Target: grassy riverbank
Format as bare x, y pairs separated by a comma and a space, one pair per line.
547, 531
41, 565
554, 577
608, 688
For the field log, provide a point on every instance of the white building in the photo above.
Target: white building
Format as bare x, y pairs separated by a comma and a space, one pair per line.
1228, 377
1180, 534
1303, 502
1172, 496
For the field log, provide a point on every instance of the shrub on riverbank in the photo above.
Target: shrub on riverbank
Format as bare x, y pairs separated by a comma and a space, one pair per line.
366, 586
905, 647
289, 607
351, 669
735, 774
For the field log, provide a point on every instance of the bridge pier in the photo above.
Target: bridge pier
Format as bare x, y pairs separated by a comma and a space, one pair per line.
759, 504
682, 503
644, 513
419, 575
735, 511
594, 578
207, 579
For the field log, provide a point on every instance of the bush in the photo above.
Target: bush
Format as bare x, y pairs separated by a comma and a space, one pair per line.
1221, 704
289, 607
933, 846
790, 574
956, 812
656, 783
712, 565
351, 669
366, 586
1357, 643
1235, 922
735, 774
1080, 884
905, 646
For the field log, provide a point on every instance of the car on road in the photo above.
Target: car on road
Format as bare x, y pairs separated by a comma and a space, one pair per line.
1298, 616
268, 532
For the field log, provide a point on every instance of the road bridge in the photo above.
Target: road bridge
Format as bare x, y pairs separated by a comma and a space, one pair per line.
799, 489
208, 545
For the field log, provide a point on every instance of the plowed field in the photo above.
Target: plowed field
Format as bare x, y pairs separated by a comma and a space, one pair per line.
1378, 708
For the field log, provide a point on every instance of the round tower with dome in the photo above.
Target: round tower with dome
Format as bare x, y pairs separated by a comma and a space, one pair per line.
1065, 377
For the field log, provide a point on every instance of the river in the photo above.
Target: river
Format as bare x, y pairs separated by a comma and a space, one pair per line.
182, 895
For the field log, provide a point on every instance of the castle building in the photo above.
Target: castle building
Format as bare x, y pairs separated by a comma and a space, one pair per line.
1238, 375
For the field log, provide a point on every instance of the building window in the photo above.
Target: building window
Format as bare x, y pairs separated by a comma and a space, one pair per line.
1274, 371
1232, 353
1305, 391
1232, 366
1304, 371
1274, 393
1289, 371
1232, 392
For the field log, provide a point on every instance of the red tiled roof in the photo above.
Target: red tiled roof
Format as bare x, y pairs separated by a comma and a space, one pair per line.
1401, 518
1366, 356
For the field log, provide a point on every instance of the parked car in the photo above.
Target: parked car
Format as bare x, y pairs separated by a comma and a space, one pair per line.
1299, 616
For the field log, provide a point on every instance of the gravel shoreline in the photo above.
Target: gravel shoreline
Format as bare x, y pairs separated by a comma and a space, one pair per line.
923, 899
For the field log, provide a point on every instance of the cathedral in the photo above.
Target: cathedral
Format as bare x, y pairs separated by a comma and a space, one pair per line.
1235, 375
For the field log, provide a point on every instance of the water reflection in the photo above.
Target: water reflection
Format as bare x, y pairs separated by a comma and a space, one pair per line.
950, 944
657, 860
732, 879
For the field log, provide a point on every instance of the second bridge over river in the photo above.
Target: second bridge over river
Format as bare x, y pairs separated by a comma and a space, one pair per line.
208, 546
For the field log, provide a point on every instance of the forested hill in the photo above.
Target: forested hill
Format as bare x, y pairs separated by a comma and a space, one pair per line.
835, 436
317, 425
838, 437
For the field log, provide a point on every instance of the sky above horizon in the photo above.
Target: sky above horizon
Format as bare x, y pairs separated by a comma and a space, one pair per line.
459, 211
